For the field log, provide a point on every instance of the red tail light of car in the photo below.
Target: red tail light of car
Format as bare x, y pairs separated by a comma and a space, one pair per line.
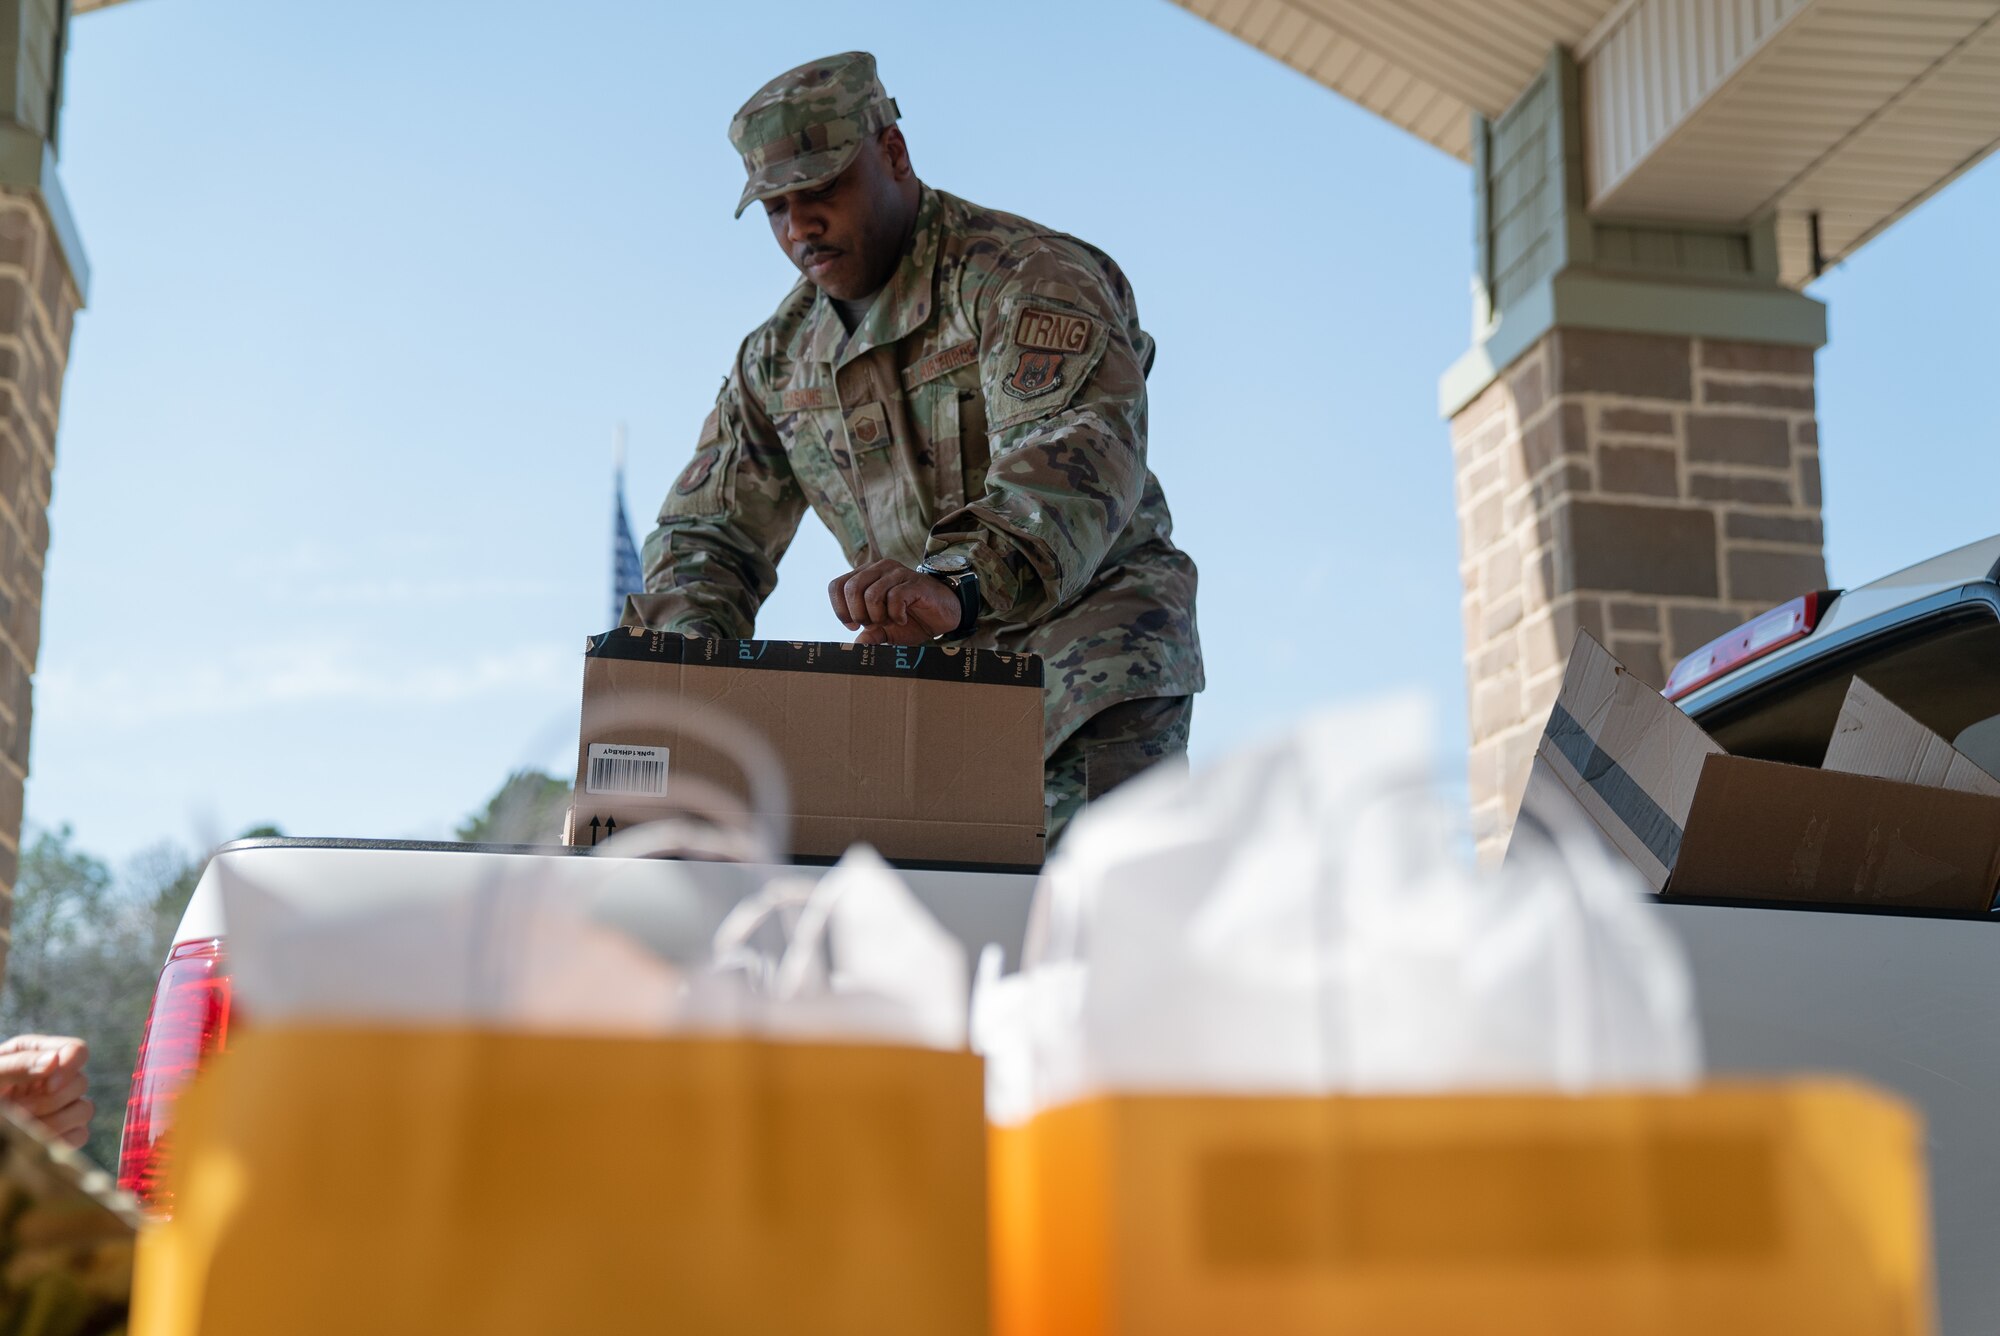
1753, 640
189, 1021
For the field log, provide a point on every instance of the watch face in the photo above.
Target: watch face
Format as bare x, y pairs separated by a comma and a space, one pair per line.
951, 563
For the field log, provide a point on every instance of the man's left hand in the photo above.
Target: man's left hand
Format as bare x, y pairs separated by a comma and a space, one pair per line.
891, 604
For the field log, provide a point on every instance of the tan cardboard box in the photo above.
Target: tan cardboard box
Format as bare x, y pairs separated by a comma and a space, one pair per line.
1875, 737
1700, 823
930, 754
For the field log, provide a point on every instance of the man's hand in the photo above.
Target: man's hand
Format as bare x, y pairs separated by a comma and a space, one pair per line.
42, 1075
890, 604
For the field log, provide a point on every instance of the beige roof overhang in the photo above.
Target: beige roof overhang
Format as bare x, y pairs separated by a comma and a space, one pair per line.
1834, 116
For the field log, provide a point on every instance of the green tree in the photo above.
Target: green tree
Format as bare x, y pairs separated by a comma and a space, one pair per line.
86, 953
60, 899
528, 809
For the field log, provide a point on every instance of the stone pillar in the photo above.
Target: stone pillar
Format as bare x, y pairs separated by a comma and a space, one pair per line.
1632, 429
38, 304
1653, 490
43, 277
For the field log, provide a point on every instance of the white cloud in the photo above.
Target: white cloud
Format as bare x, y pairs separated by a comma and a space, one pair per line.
391, 590
265, 676
376, 571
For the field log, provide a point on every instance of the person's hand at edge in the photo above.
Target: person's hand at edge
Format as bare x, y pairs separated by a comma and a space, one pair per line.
43, 1076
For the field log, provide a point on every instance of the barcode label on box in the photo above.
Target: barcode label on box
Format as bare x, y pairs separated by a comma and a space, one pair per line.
619, 768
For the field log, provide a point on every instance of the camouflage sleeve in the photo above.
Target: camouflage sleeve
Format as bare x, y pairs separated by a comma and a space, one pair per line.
1063, 373
725, 524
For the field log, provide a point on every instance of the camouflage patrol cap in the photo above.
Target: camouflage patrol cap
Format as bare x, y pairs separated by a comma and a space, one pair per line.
804, 127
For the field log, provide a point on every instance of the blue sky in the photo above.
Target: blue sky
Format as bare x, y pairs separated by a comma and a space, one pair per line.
373, 282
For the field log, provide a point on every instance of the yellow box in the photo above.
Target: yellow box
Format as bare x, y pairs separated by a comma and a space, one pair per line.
342, 1181
1794, 1207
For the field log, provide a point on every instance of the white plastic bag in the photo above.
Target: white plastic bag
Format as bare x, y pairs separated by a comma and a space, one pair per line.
849, 956
1304, 917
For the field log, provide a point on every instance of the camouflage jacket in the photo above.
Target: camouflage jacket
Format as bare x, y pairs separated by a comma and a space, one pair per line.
992, 402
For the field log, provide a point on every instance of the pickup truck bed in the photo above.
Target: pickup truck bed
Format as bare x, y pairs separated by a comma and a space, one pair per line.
1910, 1003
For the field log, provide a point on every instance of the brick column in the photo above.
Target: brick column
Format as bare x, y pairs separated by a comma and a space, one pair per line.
38, 304
1654, 490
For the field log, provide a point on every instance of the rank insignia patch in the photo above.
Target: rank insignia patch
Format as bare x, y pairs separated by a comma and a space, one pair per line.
868, 427
1035, 374
697, 471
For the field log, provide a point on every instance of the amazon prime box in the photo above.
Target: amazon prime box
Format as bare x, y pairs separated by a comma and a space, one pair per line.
931, 754
1894, 818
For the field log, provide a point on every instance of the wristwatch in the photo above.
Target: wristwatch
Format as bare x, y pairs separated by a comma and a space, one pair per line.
955, 569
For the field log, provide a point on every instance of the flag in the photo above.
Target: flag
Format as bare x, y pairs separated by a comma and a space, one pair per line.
625, 577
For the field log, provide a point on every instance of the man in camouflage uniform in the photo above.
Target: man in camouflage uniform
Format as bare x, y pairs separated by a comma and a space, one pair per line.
960, 395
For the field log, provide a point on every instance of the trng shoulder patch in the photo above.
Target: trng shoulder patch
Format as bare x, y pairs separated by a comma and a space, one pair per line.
1050, 331
1041, 362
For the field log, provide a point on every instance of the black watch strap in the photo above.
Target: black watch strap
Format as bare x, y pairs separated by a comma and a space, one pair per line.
965, 581
968, 604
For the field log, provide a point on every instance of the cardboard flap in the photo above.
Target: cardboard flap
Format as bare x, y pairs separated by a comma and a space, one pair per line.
1875, 737
1759, 830
1628, 758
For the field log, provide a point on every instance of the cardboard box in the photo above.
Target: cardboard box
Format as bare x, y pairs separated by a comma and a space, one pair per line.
930, 754
1700, 823
1875, 737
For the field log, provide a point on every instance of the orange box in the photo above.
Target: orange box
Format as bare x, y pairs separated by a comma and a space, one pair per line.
407, 1183
1737, 1209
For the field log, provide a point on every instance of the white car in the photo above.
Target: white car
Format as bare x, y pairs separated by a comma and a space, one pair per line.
1928, 638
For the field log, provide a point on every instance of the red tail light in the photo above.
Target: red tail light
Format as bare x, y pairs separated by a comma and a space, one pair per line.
1752, 640
189, 1021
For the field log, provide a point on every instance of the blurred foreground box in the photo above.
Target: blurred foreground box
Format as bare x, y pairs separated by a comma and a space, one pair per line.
928, 753
409, 1183
1732, 1211
66, 1237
